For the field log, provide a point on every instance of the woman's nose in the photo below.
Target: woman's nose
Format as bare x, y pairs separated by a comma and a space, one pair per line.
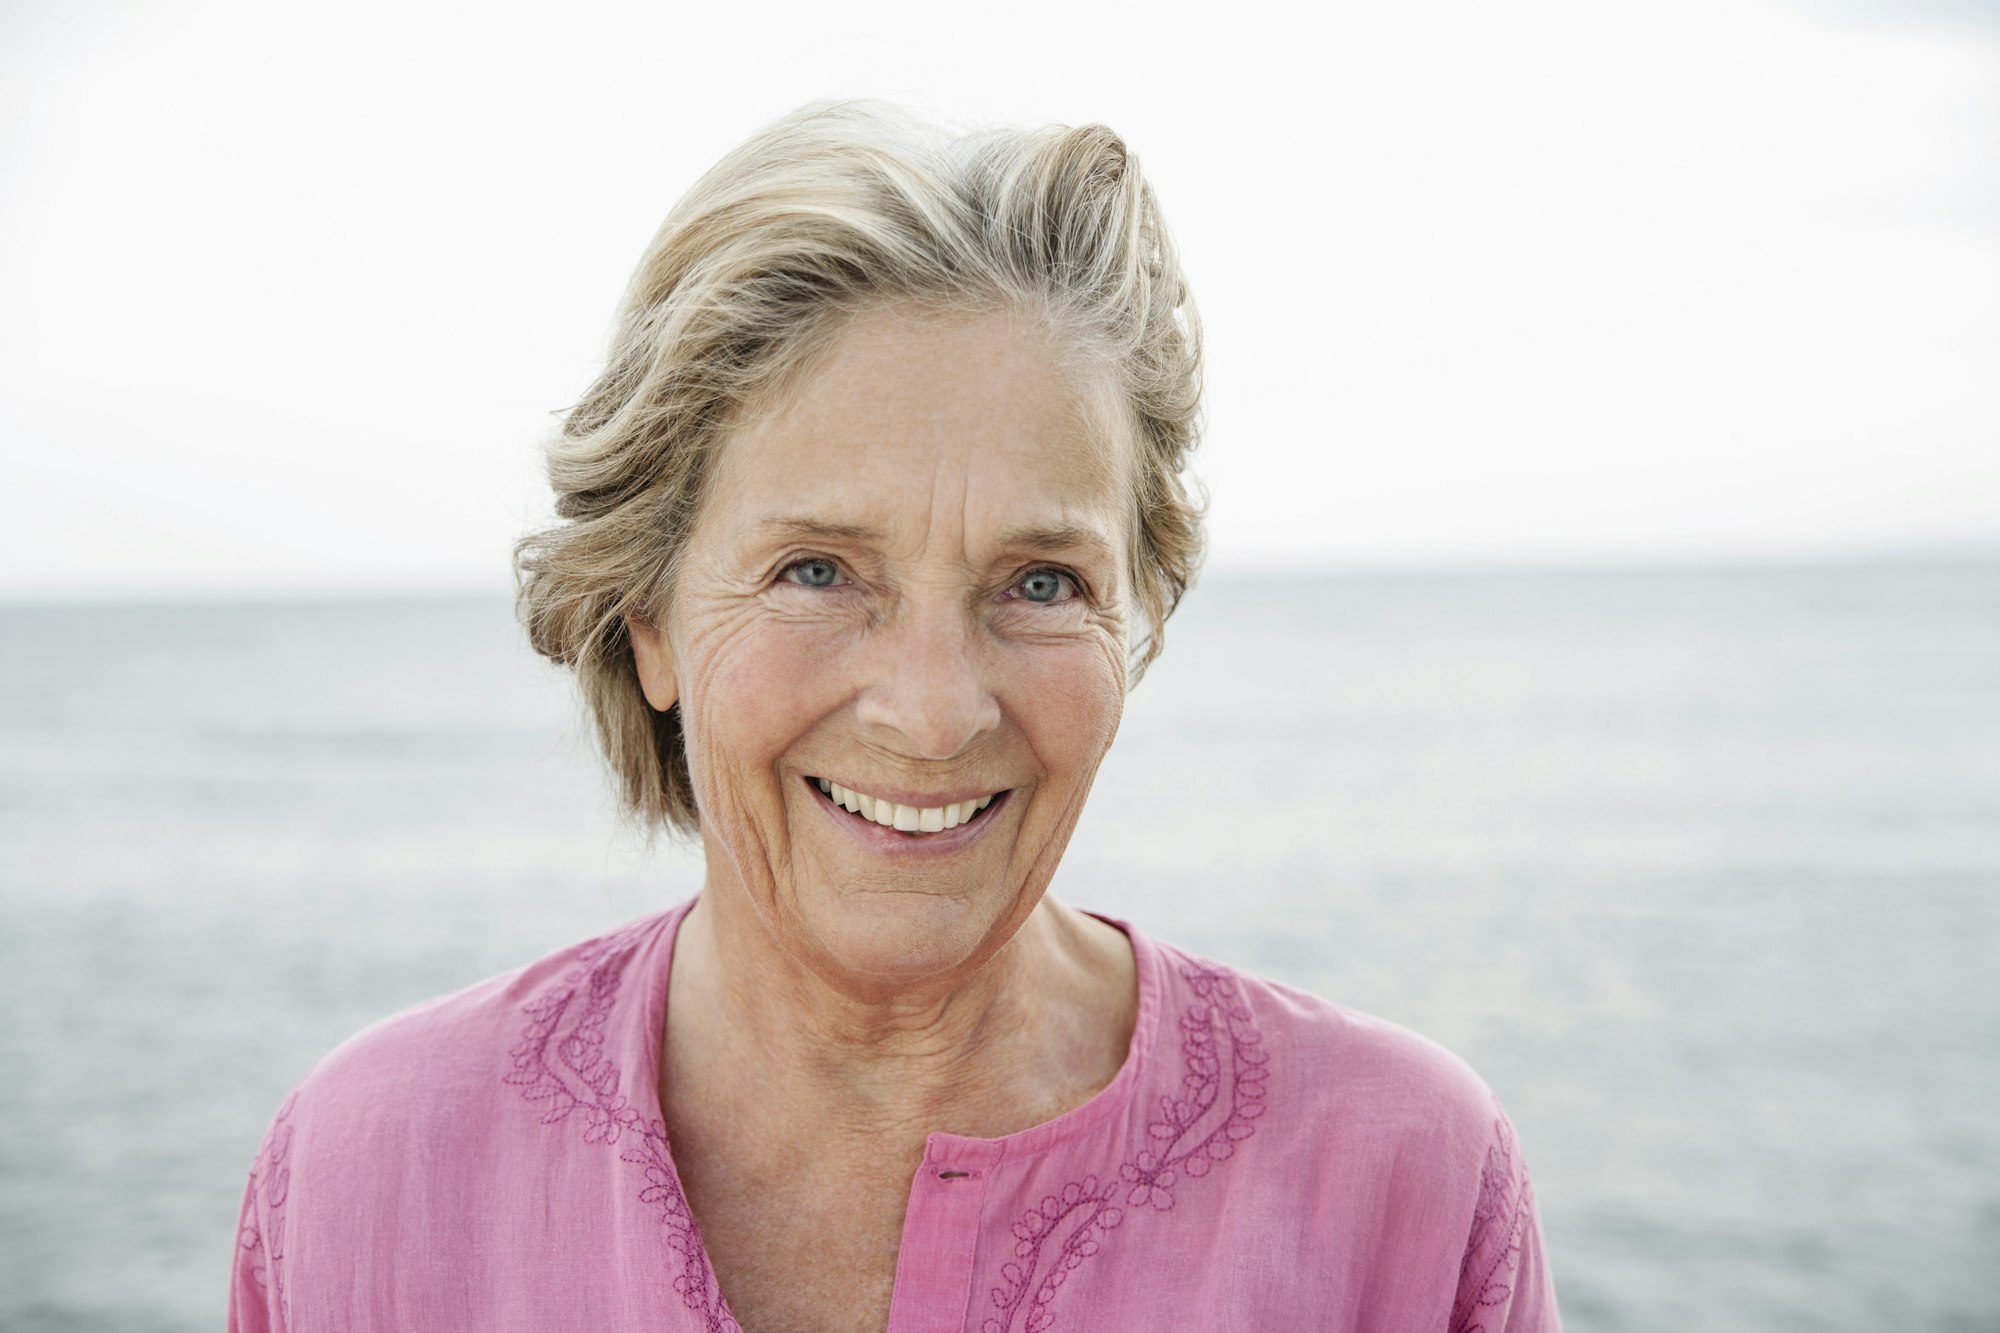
929, 687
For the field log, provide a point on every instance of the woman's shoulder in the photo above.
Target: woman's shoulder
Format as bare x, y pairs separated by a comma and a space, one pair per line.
412, 1108
1379, 1127
436, 1058
1339, 1066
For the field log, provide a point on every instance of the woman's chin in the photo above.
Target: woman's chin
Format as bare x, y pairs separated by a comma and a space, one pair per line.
901, 935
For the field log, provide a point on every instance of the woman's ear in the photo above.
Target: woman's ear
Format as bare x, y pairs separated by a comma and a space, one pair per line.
655, 661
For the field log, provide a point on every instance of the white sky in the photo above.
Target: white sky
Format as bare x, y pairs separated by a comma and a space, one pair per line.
288, 295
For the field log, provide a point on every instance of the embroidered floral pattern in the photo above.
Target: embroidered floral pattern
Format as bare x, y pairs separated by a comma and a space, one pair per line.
1499, 1223
560, 1060
1070, 1227
270, 1185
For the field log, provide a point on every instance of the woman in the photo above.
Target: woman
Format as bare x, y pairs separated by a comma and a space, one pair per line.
868, 527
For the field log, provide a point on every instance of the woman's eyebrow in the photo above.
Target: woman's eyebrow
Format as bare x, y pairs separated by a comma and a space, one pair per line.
814, 527
1035, 536
1057, 537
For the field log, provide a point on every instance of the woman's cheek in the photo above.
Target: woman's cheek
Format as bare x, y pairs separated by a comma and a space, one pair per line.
1076, 681
777, 682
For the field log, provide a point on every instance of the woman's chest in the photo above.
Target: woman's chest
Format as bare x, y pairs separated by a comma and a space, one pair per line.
817, 1253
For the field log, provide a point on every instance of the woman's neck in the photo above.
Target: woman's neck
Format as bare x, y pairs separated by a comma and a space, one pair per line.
1037, 1028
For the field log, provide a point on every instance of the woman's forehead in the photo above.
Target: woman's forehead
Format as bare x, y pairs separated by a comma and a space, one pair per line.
903, 422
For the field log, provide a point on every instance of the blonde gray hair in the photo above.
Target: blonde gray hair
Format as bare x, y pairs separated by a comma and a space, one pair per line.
741, 291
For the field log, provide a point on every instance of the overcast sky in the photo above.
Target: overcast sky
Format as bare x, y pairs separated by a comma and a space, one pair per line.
289, 294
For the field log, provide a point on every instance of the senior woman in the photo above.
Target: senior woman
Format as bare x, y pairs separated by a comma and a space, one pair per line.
869, 525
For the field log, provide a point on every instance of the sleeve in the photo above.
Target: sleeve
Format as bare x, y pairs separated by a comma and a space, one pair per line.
253, 1306
256, 1293
1504, 1282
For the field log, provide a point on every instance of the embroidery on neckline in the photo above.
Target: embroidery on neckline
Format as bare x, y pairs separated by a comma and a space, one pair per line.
1482, 1285
271, 1181
1150, 1176
566, 1067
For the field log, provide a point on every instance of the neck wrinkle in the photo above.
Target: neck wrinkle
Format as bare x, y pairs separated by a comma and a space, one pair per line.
900, 1064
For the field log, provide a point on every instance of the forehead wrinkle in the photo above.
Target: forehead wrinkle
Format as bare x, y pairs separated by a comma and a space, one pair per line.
930, 510
1059, 535
1091, 458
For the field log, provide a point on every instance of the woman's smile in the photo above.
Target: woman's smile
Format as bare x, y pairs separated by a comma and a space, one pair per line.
885, 826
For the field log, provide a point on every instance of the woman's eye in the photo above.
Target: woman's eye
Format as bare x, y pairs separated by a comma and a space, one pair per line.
1044, 586
820, 573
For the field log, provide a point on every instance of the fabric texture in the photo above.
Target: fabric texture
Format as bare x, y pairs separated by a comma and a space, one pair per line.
495, 1160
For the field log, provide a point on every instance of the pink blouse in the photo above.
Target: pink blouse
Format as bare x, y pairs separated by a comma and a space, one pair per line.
495, 1159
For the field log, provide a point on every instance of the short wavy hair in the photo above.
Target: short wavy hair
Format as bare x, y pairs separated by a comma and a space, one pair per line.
836, 204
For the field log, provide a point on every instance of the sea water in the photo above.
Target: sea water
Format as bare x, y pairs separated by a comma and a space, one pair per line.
1700, 870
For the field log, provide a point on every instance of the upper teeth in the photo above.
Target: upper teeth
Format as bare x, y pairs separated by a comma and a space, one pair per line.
908, 818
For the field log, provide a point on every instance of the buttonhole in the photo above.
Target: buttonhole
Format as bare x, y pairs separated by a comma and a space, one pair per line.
953, 1175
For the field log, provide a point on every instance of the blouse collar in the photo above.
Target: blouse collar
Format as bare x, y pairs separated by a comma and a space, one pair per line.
645, 1029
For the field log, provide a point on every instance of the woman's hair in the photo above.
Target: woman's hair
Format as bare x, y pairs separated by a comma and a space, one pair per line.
741, 292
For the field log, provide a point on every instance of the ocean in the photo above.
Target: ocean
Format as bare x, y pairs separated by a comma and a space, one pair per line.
1699, 869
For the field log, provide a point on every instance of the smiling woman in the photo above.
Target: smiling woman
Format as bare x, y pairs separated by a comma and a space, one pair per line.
869, 527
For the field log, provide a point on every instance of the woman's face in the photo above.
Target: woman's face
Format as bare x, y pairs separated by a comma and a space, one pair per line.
909, 583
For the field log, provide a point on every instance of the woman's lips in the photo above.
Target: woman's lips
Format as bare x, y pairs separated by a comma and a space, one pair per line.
882, 838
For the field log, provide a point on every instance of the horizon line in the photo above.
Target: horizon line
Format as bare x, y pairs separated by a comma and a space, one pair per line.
1267, 569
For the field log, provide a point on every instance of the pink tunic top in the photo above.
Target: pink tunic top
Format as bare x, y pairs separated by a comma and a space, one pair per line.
495, 1160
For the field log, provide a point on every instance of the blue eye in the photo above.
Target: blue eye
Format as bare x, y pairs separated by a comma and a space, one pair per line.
1047, 578
819, 564
1041, 587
